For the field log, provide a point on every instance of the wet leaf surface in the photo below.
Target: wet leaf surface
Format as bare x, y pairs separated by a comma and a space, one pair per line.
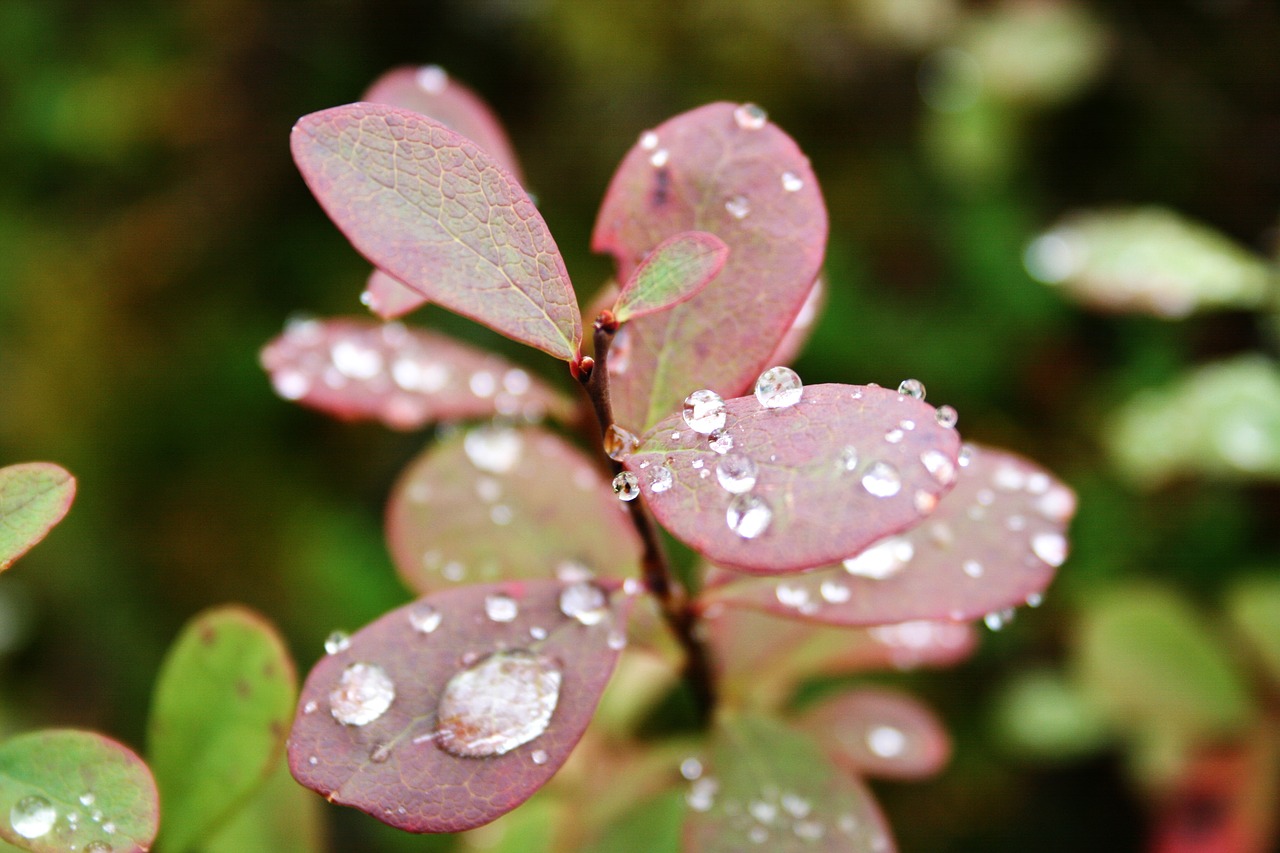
432, 209
880, 733
845, 466
675, 271
503, 502
722, 169
405, 378
771, 788
994, 542
222, 704
60, 787
389, 298
34, 496
400, 683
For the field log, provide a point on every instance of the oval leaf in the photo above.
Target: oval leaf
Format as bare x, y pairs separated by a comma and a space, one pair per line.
222, 705
389, 758
995, 541
281, 817
432, 209
880, 733
675, 271
845, 466
724, 169
500, 502
62, 787
34, 496
802, 326
406, 378
767, 787
389, 298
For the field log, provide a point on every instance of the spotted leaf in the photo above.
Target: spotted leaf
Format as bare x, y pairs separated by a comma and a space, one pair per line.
675, 271
882, 733
34, 496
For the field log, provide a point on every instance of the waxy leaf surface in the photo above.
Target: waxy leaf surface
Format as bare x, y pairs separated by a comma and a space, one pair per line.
34, 496
389, 298
405, 378
768, 787
390, 761
430, 208
223, 701
993, 542
723, 169
500, 502
880, 733
48, 776
845, 466
674, 272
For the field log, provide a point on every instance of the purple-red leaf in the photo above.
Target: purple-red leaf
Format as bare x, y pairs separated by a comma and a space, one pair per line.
725, 169
675, 271
430, 208
446, 713
430, 91
389, 298
801, 485
34, 496
877, 732
995, 541
406, 378
500, 502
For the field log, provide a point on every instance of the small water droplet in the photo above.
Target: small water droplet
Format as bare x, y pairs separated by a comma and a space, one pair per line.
432, 79
659, 158
1035, 599
494, 449
796, 806
757, 834
98, 846
313, 761
425, 618
834, 592
617, 639
748, 515
720, 440
573, 571
661, 479
500, 607
972, 568
291, 384
779, 388
1057, 505
691, 769
1050, 547
750, 117
626, 486
946, 416
997, 619
881, 480
893, 436
648, 140
939, 465
584, 601
483, 384
1009, 479
619, 443
380, 753
338, 641
882, 560
886, 741
739, 207
704, 411
504, 701
363, 694
791, 595
702, 793
356, 360
86, 799
791, 182
913, 388
925, 502
538, 756
736, 473
966, 455
32, 817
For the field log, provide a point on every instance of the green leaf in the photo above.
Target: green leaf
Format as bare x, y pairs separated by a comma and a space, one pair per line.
1041, 715
34, 496
282, 817
653, 826
1254, 607
221, 710
47, 777
675, 271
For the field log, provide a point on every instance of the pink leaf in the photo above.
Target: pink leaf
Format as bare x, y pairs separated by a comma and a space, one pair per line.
674, 272
500, 502
802, 485
802, 326
406, 378
877, 732
34, 497
430, 208
724, 169
446, 713
994, 542
389, 298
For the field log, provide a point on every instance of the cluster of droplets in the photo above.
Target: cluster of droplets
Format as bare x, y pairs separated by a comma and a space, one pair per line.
34, 817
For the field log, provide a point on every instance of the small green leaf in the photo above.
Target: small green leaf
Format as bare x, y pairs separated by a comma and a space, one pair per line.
675, 271
34, 496
653, 826
282, 817
1041, 715
1254, 607
47, 777
222, 706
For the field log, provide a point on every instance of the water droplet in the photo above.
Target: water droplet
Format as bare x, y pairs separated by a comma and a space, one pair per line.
1035, 599
661, 479
881, 480
291, 384
98, 846
762, 811
704, 411
947, 417
966, 455
620, 352
363, 694
834, 592
424, 618
739, 207
626, 486
310, 707
432, 79
997, 619
758, 835
791, 182
356, 360
380, 753
32, 817
779, 388
882, 560
925, 502
893, 436
572, 571
972, 568
584, 601
912, 388
691, 769
748, 515
618, 442
538, 756
494, 449
796, 806
789, 595
939, 465
648, 140
338, 641
886, 741
750, 117
617, 640
720, 440
702, 794
1008, 478
483, 384
1058, 504
501, 607
86, 799
808, 830
313, 761
493, 706
1050, 547
736, 473
659, 158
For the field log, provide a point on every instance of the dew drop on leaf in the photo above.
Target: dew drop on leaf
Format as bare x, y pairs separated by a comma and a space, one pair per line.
648, 140
619, 443
364, 693
291, 384
86, 799
659, 158
500, 607
704, 411
720, 440
1050, 547
32, 817
538, 756
913, 388
997, 619
946, 416
432, 79
939, 465
779, 388
702, 793
791, 182
338, 641
497, 704
834, 592
492, 448
98, 846
691, 768
356, 360
748, 515
661, 479
750, 117
882, 560
585, 602
626, 486
736, 473
882, 480
972, 568
424, 618
739, 207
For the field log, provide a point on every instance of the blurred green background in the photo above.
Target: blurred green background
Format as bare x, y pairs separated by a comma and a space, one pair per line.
154, 234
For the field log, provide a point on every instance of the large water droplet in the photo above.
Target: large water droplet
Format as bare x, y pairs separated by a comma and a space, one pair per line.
1050, 547
912, 388
778, 388
626, 486
736, 473
338, 641
739, 207
32, 817
501, 607
750, 117
363, 694
704, 411
424, 618
882, 480
748, 515
661, 479
882, 560
720, 441
584, 601
498, 704
493, 448
618, 442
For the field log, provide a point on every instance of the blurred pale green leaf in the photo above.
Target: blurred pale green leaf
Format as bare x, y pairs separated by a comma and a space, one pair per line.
653, 826
528, 829
281, 817
34, 496
1222, 419
1254, 608
1040, 715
